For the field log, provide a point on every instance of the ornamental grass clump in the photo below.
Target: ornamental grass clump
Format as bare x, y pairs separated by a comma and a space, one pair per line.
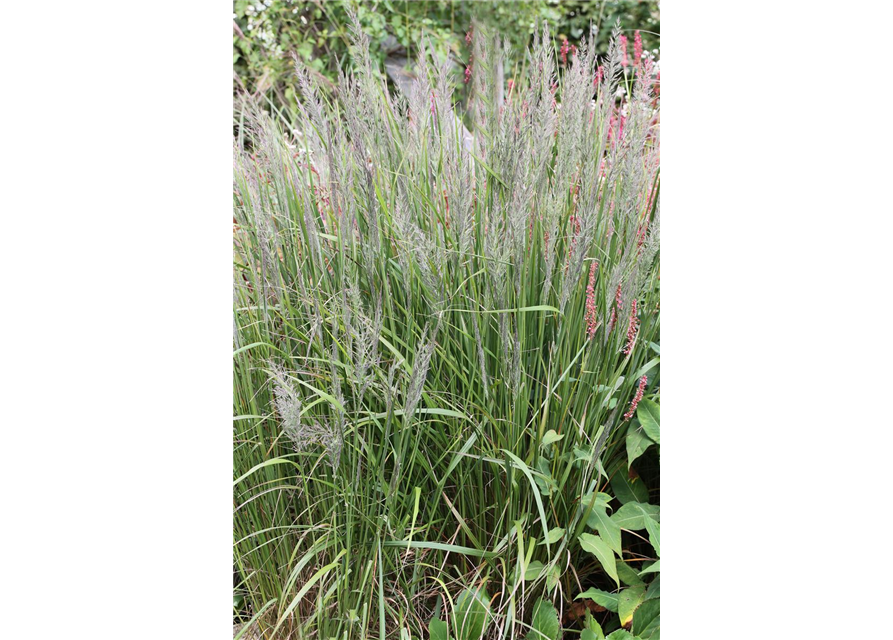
437, 335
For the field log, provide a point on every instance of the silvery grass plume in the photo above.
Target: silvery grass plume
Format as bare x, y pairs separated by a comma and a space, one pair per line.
302, 434
410, 309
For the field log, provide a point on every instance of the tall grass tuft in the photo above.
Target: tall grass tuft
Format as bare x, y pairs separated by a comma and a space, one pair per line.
436, 342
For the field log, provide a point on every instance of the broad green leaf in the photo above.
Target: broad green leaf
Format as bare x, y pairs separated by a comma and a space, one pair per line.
472, 614
551, 436
628, 575
607, 528
437, 630
631, 516
652, 631
534, 569
602, 598
628, 489
554, 536
602, 551
648, 414
647, 611
628, 601
621, 634
544, 624
653, 588
636, 444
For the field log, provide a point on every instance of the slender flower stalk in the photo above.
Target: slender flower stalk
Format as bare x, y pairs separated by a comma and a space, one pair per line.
591, 321
637, 48
631, 330
640, 392
623, 46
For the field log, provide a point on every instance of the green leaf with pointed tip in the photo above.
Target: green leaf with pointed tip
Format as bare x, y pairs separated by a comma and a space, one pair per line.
631, 516
652, 631
628, 575
437, 630
472, 615
653, 588
636, 443
628, 601
550, 437
648, 414
607, 528
621, 634
602, 598
602, 551
554, 536
544, 624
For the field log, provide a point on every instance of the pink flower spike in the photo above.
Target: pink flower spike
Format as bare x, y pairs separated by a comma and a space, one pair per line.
640, 392
591, 318
637, 48
623, 41
631, 330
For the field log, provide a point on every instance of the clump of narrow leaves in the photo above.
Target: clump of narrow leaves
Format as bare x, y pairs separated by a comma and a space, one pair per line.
446, 330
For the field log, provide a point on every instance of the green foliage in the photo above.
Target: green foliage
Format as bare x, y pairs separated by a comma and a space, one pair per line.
601, 550
544, 623
267, 33
429, 392
437, 630
472, 615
